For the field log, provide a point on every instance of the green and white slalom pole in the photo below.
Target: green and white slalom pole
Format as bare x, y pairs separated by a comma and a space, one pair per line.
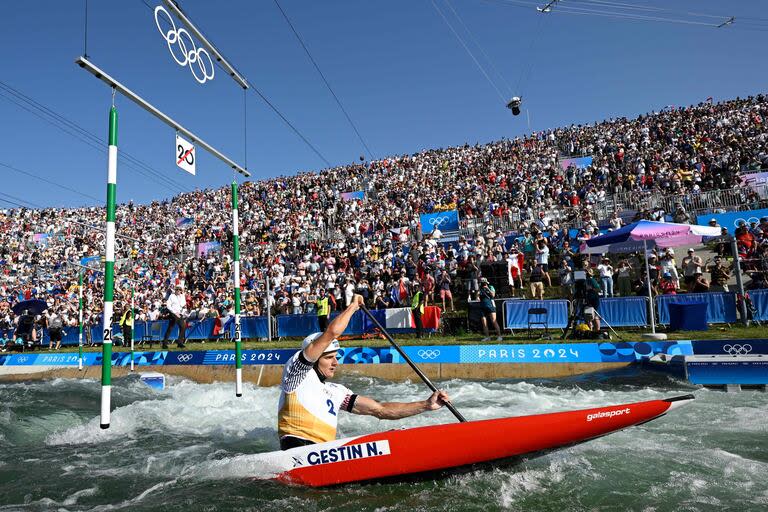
236, 269
80, 319
133, 323
109, 272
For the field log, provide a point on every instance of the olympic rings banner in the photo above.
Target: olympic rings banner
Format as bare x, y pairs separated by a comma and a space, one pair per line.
604, 352
444, 221
731, 347
731, 220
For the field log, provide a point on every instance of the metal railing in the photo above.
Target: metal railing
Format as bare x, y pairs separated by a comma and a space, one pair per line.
711, 201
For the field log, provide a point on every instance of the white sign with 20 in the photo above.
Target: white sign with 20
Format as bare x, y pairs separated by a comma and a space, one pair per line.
185, 155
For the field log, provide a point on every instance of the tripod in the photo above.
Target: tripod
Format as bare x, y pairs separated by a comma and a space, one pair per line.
578, 314
603, 321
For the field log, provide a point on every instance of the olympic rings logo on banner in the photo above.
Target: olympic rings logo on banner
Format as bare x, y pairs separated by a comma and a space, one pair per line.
439, 221
184, 358
429, 354
22, 359
737, 350
190, 53
746, 222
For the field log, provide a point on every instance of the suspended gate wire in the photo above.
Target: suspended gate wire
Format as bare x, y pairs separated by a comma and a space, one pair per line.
50, 182
482, 69
70, 127
270, 105
317, 68
479, 46
17, 201
622, 10
522, 81
95, 145
621, 5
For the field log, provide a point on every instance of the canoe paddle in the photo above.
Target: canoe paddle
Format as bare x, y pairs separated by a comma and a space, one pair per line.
426, 380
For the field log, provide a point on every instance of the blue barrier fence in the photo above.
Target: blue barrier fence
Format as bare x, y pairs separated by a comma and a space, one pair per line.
251, 327
721, 307
617, 312
624, 311
760, 301
288, 326
516, 313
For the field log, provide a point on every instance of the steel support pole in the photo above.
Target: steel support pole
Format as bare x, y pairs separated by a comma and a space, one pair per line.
648, 283
739, 281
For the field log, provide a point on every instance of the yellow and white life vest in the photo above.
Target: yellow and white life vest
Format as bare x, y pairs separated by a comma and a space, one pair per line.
308, 407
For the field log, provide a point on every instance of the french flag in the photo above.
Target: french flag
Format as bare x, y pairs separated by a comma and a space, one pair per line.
392, 318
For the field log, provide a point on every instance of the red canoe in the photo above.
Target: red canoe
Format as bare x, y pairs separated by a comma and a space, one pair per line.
441, 448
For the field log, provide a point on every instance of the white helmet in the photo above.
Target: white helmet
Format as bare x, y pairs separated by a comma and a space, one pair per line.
333, 347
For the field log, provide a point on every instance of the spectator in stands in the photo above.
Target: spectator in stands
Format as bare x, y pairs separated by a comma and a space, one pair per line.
692, 265
472, 271
667, 266
488, 308
536, 279
719, 275
529, 246
606, 276
515, 265
565, 275
25, 329
667, 284
323, 309
542, 258
700, 285
428, 286
126, 325
680, 216
55, 323
176, 304
444, 284
418, 300
624, 278
615, 221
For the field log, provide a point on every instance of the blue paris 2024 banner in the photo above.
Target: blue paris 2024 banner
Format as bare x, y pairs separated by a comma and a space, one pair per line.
604, 352
444, 221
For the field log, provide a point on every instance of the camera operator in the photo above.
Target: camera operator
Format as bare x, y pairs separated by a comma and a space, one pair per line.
592, 303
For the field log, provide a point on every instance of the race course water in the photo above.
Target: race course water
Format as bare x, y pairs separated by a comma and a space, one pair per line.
186, 448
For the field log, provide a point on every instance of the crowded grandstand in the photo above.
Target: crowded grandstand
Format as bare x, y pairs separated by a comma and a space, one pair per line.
523, 213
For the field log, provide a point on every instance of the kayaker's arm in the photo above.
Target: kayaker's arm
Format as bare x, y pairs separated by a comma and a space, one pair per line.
396, 410
335, 329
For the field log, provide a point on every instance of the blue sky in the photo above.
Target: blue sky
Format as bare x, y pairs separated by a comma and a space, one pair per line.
399, 71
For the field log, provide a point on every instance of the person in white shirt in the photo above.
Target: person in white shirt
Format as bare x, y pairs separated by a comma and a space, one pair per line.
176, 304
542, 258
615, 221
606, 276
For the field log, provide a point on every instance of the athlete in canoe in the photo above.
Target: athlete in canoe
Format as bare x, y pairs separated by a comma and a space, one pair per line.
309, 405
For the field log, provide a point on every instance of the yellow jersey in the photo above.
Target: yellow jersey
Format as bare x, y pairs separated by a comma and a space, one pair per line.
308, 407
